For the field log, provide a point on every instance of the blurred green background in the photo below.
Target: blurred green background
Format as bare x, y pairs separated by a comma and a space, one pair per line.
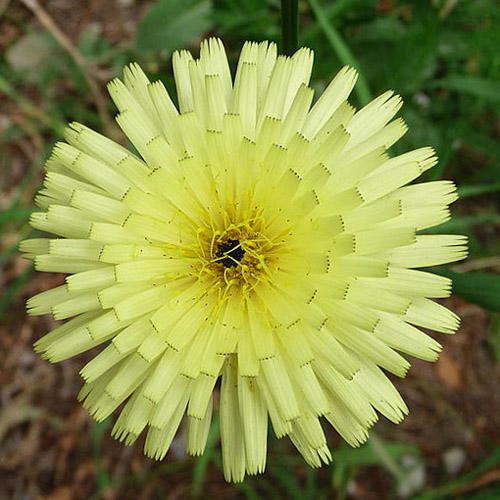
442, 56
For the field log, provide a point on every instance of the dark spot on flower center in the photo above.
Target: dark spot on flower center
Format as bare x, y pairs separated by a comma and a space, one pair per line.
231, 251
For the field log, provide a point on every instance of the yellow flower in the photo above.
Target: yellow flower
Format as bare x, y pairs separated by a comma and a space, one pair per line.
255, 238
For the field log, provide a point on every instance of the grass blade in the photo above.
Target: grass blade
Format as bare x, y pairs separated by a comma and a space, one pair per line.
465, 191
200, 467
478, 87
342, 50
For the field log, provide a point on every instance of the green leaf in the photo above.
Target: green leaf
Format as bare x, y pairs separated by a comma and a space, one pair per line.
172, 24
463, 223
465, 191
15, 213
493, 337
479, 288
472, 85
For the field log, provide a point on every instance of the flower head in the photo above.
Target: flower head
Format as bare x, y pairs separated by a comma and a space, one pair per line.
254, 237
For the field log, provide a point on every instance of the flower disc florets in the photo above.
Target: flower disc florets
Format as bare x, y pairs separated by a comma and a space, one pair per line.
237, 256
256, 237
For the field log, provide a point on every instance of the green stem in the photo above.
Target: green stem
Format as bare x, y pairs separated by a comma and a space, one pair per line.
289, 26
342, 50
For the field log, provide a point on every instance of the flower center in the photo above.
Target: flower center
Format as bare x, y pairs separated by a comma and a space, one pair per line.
230, 253
238, 254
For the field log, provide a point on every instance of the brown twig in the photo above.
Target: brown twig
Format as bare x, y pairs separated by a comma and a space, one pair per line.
99, 99
489, 477
478, 264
